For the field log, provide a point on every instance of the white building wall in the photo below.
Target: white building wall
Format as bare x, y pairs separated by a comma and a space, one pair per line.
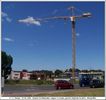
26, 76
15, 75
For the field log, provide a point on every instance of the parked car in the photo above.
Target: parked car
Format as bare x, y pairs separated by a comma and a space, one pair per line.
84, 82
84, 79
63, 84
96, 83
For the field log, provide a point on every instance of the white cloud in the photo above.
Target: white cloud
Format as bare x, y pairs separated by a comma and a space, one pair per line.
30, 20
8, 39
8, 19
5, 16
77, 34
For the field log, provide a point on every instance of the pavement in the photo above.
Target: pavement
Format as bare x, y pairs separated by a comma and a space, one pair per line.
30, 90
33, 93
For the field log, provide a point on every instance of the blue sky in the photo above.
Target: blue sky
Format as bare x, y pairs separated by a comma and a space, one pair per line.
47, 45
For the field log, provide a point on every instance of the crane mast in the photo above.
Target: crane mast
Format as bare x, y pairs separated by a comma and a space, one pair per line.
73, 48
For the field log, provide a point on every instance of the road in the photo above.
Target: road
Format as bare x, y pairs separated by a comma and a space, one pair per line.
18, 90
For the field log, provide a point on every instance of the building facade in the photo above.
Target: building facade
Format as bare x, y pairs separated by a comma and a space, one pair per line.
15, 75
25, 75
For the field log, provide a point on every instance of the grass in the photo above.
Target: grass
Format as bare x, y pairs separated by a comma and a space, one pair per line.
28, 82
77, 92
31, 82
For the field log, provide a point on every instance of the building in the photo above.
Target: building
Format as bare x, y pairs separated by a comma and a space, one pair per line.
15, 75
25, 75
38, 75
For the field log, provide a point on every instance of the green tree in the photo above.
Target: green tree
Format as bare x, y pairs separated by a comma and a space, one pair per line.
67, 70
58, 72
6, 62
47, 72
24, 70
85, 70
77, 70
70, 70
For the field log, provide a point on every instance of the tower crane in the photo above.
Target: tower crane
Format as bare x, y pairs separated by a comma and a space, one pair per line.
72, 18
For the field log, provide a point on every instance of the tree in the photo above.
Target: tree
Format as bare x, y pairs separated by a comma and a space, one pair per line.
77, 70
47, 72
70, 70
24, 70
58, 72
33, 76
92, 70
6, 62
85, 70
67, 70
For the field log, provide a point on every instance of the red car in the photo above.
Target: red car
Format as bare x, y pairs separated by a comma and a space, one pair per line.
62, 84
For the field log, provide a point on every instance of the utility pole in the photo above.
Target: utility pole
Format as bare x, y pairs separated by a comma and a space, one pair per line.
73, 21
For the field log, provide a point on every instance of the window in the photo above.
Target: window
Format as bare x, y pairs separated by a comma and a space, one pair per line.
16, 74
